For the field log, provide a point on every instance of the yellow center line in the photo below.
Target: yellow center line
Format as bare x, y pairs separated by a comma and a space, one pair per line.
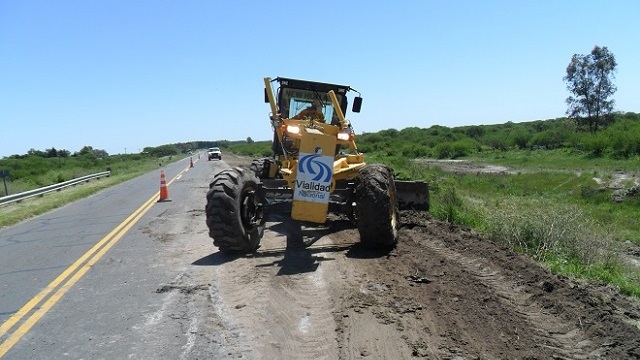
88, 259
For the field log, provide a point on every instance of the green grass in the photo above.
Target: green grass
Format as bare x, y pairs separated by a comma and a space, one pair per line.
612, 272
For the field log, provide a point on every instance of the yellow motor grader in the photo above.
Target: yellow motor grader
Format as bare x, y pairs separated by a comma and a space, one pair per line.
316, 169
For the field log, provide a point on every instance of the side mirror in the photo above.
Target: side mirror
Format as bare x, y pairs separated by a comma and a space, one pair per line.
266, 97
357, 104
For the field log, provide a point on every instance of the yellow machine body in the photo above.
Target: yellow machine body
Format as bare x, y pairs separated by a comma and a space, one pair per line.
314, 176
311, 161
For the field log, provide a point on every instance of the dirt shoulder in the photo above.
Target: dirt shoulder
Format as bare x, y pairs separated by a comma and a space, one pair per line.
452, 294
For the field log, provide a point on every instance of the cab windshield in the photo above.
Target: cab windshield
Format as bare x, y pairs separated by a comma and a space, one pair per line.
295, 100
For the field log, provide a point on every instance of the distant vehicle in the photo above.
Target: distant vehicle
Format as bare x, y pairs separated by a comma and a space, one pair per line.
215, 153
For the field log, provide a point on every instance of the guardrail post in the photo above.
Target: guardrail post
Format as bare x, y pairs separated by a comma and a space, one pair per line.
4, 174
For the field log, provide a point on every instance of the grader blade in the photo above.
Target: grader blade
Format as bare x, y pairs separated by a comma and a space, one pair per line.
412, 195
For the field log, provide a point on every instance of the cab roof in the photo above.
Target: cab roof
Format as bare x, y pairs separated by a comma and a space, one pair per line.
312, 85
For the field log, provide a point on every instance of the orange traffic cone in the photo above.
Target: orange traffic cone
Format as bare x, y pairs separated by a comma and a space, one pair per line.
191, 162
164, 192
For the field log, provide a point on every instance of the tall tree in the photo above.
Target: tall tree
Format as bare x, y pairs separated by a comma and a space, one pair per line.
590, 79
52, 152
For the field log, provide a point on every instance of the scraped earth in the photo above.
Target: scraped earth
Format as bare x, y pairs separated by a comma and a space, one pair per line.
443, 293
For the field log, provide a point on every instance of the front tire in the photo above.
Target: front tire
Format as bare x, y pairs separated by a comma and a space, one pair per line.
377, 207
261, 167
235, 212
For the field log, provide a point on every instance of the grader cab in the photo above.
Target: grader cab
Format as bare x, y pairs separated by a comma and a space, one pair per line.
315, 169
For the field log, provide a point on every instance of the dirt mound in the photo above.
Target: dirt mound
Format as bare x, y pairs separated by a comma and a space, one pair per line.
452, 294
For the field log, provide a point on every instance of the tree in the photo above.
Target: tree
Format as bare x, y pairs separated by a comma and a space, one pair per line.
162, 150
35, 152
64, 153
86, 150
589, 79
101, 153
51, 153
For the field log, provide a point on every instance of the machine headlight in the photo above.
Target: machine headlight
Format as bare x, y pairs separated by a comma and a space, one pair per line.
293, 129
344, 136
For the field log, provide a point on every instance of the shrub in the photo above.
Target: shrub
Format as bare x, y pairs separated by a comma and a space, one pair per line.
443, 151
450, 201
596, 144
625, 143
495, 141
415, 150
519, 137
463, 148
542, 229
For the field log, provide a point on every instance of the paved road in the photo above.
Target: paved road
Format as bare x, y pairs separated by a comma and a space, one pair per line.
78, 281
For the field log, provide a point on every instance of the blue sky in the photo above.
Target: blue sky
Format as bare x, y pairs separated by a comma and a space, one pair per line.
123, 75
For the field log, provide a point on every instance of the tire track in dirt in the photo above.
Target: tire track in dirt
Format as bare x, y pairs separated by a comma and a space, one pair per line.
541, 314
361, 286
566, 339
279, 297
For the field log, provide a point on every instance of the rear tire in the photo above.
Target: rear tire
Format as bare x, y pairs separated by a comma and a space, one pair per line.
376, 207
235, 213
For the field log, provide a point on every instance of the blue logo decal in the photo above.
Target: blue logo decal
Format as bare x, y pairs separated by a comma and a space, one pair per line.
310, 164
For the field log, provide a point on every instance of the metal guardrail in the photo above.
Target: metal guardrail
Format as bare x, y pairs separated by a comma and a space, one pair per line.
56, 187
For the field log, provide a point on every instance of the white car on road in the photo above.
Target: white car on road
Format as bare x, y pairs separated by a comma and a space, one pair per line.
215, 153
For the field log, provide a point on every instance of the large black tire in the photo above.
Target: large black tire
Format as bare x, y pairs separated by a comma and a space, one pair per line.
377, 207
235, 215
260, 167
